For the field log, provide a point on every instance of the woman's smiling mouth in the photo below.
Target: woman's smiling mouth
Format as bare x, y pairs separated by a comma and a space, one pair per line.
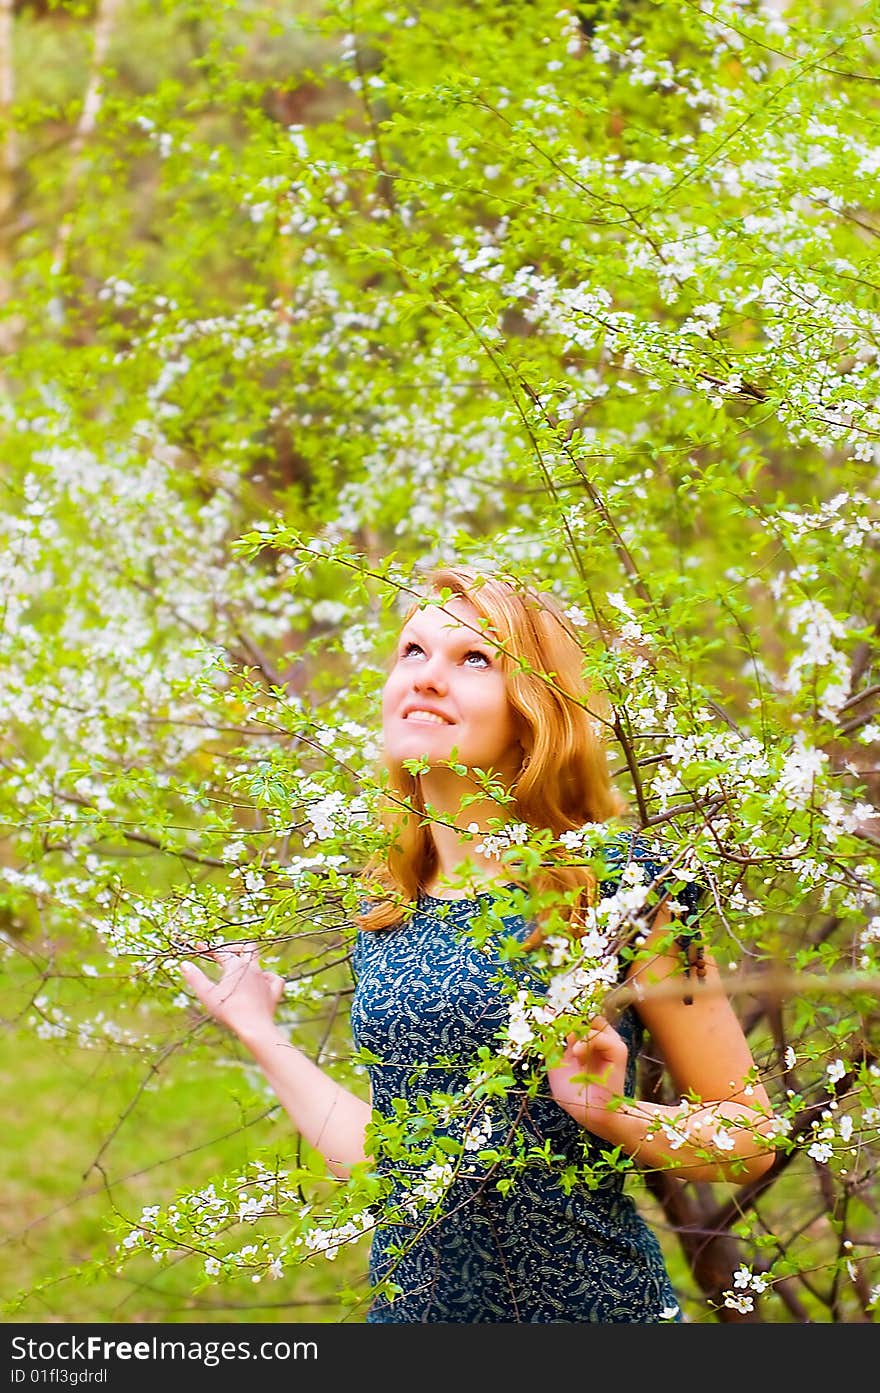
426, 717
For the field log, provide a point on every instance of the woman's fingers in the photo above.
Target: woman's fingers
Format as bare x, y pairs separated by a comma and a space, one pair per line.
196, 979
224, 951
597, 1049
595, 1027
228, 959
231, 959
235, 959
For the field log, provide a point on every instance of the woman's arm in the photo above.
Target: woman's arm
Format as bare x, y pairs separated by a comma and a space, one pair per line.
723, 1127
328, 1116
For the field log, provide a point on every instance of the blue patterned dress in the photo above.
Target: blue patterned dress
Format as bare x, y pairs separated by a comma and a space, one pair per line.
550, 1247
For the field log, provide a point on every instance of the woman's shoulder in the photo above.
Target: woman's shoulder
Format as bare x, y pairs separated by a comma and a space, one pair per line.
362, 906
660, 864
369, 942
625, 845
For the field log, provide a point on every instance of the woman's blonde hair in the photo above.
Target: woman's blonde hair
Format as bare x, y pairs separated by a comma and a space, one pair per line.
564, 780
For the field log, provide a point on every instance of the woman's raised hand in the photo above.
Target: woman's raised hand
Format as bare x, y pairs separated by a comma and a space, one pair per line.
244, 997
591, 1074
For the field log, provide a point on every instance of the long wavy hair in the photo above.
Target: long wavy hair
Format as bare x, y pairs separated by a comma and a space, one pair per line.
563, 781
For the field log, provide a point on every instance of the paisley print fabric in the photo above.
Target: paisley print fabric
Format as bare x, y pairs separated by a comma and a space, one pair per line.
549, 1245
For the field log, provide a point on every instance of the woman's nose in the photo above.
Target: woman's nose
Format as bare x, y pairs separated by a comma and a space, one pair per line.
430, 674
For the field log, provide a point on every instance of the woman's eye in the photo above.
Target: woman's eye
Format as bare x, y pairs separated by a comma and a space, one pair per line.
472, 653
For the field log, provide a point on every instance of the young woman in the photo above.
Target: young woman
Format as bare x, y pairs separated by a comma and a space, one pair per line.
509, 1208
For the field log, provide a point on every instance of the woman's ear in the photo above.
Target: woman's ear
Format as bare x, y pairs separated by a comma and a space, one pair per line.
524, 758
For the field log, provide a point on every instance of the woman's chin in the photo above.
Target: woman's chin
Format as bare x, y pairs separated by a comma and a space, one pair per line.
416, 749
427, 740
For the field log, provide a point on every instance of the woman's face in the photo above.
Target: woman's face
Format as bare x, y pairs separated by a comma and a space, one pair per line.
447, 689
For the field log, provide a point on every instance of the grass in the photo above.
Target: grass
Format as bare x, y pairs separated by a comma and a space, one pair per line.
87, 1142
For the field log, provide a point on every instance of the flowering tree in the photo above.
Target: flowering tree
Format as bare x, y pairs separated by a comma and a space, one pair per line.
295, 306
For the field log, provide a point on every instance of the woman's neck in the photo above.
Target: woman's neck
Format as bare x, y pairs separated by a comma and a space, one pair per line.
463, 868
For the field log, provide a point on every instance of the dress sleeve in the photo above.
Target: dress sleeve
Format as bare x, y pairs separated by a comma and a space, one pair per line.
357, 950
670, 883
356, 955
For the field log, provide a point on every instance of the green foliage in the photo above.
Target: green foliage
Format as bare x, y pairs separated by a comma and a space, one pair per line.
290, 312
